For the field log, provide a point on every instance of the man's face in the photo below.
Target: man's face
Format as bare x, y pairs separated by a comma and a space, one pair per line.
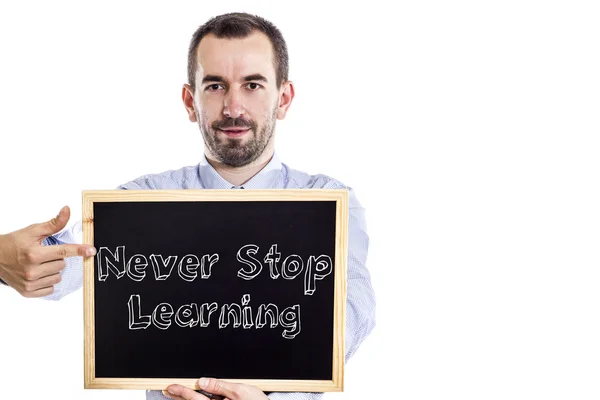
236, 100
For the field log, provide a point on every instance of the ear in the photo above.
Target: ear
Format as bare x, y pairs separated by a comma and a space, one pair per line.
286, 96
187, 95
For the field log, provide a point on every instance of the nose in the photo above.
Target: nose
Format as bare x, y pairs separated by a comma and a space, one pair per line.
233, 107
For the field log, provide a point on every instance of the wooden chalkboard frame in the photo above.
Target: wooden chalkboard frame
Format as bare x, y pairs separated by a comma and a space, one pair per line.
340, 196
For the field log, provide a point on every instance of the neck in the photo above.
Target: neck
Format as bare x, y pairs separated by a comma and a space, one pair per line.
240, 175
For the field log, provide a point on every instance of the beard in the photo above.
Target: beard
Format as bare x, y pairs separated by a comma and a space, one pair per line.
237, 152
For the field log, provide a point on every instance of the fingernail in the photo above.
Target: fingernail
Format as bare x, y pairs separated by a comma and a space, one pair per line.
166, 393
90, 251
203, 383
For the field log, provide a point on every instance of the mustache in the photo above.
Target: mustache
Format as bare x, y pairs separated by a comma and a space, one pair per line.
234, 123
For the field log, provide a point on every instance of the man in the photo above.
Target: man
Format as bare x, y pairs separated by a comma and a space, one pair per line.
237, 89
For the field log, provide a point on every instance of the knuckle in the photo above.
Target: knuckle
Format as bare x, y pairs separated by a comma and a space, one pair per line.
54, 222
28, 287
81, 251
35, 259
62, 252
213, 385
218, 386
29, 275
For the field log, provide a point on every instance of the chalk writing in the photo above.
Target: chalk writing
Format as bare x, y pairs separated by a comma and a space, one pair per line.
232, 315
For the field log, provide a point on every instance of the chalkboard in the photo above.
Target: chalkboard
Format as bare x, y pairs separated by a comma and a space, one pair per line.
242, 285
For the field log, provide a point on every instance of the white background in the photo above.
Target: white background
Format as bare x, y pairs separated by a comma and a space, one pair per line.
469, 130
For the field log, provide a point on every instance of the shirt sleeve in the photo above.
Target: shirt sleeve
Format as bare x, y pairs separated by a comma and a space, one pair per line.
360, 297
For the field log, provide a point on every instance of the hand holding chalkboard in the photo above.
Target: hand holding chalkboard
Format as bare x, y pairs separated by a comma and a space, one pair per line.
216, 389
31, 268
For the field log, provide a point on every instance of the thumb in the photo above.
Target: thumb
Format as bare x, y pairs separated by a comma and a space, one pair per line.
217, 386
55, 224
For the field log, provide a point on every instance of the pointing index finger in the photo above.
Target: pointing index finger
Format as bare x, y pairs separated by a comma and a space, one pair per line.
60, 251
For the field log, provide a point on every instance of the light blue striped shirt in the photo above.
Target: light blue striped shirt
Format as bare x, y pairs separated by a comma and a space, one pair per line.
360, 308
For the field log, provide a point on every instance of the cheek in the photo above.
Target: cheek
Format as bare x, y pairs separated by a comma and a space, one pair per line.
207, 112
261, 110
205, 119
210, 106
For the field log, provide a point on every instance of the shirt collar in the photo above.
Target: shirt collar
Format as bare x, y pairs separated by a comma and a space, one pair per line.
265, 178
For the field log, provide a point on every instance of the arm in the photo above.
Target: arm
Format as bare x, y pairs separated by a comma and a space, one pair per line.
72, 274
360, 301
37, 261
30, 267
70, 278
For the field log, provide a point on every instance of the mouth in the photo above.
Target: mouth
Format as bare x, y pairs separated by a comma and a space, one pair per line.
234, 132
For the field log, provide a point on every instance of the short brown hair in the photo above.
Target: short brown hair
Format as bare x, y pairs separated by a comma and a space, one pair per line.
240, 25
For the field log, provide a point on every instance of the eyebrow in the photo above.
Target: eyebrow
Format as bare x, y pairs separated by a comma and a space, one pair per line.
217, 78
255, 77
212, 78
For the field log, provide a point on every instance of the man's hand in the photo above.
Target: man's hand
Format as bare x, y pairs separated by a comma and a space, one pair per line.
231, 391
31, 268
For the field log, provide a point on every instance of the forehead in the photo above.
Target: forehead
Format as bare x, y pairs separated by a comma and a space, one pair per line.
236, 57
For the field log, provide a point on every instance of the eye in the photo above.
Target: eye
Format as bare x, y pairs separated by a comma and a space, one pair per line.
214, 87
253, 86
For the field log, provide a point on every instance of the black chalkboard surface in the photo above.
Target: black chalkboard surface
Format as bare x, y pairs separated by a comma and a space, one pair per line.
242, 285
